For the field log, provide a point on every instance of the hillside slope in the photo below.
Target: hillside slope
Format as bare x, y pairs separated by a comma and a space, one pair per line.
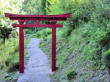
83, 48
80, 55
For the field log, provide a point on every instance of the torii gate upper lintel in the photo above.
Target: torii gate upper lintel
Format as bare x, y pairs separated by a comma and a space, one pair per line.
22, 18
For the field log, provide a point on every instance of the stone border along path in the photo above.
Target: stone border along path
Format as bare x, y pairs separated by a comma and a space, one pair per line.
37, 68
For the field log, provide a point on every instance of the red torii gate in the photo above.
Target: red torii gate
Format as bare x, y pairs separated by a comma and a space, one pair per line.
22, 18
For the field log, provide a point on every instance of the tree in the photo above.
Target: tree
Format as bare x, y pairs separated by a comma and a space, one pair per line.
10, 6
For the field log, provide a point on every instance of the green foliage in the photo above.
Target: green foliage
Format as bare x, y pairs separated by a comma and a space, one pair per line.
5, 32
28, 31
83, 42
106, 53
42, 33
9, 57
71, 75
64, 32
106, 58
10, 6
31, 7
34, 7
48, 31
7, 53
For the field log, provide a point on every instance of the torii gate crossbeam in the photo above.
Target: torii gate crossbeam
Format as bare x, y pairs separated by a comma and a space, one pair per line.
22, 18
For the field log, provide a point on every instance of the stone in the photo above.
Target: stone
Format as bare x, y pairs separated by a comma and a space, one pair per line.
6, 75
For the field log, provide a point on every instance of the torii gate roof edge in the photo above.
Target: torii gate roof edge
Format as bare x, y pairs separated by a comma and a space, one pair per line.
60, 17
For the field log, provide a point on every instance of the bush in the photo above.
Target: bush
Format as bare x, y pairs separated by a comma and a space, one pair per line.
48, 31
71, 75
106, 58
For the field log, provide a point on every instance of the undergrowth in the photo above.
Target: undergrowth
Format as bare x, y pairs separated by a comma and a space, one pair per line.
9, 57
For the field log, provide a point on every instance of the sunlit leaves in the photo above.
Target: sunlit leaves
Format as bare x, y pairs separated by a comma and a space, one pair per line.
31, 6
10, 6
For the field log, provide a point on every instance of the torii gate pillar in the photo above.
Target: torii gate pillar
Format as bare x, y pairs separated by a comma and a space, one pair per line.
21, 47
22, 18
53, 47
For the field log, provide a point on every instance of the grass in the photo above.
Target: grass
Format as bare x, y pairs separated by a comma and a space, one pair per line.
8, 52
81, 50
9, 56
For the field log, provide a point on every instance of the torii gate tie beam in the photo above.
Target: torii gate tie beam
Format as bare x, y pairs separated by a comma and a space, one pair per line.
22, 18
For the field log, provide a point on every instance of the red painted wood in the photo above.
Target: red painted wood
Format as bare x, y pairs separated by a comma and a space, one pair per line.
21, 48
62, 17
40, 16
53, 46
42, 19
33, 18
22, 18
37, 25
37, 21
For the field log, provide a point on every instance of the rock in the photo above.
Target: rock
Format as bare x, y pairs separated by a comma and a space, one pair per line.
6, 75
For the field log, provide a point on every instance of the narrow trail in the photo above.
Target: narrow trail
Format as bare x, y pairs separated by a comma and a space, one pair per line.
37, 68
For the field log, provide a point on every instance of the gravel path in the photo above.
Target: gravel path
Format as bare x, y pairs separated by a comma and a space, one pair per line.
37, 68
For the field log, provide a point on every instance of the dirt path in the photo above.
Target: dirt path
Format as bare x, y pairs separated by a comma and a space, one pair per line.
37, 68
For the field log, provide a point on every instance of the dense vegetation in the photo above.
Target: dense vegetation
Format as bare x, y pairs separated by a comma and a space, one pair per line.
9, 49
83, 48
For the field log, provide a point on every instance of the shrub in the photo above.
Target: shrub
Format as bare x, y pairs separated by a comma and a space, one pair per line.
48, 31
71, 75
106, 58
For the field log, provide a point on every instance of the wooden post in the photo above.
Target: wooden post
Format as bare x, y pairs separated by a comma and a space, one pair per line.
53, 47
21, 47
37, 21
38, 18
